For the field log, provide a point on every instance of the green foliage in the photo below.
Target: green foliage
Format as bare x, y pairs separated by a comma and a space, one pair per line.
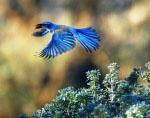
116, 99
146, 74
139, 110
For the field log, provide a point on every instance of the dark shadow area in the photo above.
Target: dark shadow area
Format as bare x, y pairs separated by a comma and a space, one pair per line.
76, 74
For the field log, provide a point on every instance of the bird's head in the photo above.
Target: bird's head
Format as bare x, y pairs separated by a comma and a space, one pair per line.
43, 25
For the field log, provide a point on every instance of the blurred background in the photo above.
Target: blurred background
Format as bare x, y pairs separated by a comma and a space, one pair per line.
28, 82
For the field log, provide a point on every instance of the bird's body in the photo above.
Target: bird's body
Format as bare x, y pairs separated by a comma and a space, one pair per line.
63, 38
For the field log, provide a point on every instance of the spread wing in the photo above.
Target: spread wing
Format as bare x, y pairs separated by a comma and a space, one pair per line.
62, 41
40, 33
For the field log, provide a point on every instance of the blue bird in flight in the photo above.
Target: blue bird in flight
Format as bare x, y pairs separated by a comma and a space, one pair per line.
63, 38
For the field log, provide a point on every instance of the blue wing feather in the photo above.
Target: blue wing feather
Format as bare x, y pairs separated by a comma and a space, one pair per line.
61, 42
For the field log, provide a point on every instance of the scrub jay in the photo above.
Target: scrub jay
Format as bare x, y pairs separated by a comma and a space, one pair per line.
63, 38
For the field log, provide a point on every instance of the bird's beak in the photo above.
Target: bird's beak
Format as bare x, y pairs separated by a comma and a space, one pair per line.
38, 26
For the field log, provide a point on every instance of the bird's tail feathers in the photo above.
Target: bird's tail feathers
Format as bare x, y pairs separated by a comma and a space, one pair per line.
88, 38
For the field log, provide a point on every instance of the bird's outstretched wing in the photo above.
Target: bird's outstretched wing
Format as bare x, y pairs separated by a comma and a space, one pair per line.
61, 42
40, 33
